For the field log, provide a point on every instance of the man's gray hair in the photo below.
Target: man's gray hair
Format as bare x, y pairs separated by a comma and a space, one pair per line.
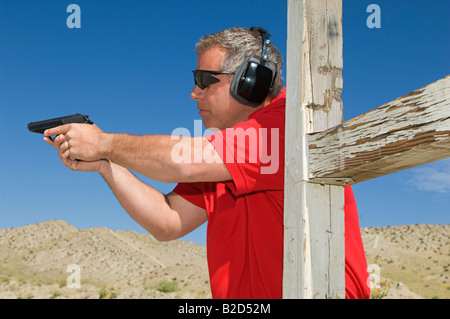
241, 43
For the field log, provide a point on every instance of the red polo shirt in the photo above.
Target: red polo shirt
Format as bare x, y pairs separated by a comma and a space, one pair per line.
245, 215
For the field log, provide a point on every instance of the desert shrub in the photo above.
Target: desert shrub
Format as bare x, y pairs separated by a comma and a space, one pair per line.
381, 291
106, 293
167, 286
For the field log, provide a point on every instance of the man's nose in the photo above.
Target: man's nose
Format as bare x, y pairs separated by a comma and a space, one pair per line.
197, 93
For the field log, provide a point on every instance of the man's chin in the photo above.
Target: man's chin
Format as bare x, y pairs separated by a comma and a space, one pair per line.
210, 125
214, 129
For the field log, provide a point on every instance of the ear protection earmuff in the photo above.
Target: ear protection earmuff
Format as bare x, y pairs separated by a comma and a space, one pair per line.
254, 78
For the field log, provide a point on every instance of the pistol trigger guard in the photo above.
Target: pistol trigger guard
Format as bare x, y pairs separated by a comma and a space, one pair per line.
53, 138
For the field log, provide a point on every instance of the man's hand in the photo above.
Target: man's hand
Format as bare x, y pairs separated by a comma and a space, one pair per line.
61, 146
80, 141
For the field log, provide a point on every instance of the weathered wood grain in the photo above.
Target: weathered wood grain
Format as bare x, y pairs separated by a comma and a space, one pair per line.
410, 131
313, 214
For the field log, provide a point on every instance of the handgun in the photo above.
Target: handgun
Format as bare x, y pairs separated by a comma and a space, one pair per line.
41, 126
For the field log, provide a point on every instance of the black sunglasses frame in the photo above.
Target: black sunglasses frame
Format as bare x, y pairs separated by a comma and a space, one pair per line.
204, 78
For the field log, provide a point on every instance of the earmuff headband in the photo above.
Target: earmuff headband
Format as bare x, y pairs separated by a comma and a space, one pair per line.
253, 79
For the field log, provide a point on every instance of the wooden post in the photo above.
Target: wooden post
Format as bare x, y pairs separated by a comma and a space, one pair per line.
323, 154
314, 261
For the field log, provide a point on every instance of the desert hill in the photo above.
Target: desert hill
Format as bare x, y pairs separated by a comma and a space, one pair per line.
418, 256
38, 261
122, 264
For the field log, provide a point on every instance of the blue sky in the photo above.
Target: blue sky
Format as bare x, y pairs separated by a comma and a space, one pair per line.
129, 67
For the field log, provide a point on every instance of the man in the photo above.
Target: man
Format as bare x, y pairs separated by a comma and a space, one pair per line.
227, 178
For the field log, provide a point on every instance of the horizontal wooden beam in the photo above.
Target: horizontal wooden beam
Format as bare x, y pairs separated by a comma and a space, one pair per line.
410, 131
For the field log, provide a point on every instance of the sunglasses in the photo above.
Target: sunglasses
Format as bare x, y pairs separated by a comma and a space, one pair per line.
204, 78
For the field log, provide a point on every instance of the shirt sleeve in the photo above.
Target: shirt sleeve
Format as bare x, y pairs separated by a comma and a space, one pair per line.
356, 275
253, 154
192, 192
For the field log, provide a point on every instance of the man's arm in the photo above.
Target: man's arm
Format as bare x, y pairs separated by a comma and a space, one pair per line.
160, 157
166, 159
165, 217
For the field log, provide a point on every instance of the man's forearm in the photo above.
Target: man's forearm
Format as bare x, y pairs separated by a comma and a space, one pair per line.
148, 155
147, 206
153, 156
